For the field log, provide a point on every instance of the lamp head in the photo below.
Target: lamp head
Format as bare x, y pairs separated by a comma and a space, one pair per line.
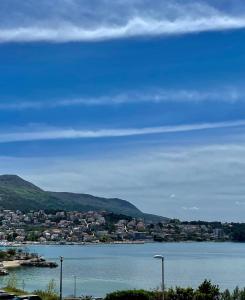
159, 256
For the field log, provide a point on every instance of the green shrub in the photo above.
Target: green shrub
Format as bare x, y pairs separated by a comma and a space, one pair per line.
3, 255
179, 293
50, 293
46, 296
11, 252
208, 289
131, 295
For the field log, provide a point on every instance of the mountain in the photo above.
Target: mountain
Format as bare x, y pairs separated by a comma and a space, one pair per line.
17, 193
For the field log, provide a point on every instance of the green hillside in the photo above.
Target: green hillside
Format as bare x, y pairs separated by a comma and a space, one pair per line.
16, 193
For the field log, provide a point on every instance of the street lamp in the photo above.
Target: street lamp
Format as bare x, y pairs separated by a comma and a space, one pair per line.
162, 258
61, 276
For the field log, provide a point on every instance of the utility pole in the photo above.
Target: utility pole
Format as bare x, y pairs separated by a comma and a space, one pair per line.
75, 286
163, 278
61, 276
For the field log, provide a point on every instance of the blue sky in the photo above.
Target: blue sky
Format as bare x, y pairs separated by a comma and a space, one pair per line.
134, 99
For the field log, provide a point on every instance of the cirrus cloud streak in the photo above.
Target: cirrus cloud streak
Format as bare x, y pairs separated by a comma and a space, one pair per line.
57, 134
135, 27
88, 21
159, 95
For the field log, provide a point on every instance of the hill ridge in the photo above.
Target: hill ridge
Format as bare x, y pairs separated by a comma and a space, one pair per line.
17, 193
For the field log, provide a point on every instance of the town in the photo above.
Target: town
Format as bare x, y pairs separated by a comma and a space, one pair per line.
74, 227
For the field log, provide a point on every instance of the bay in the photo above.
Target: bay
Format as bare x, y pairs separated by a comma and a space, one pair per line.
100, 269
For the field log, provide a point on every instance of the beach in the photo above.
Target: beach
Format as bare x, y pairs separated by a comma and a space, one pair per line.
11, 264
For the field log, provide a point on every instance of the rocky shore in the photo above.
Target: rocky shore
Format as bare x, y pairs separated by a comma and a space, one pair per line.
39, 262
12, 258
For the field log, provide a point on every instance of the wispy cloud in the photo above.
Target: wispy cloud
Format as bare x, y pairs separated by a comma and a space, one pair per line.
56, 134
135, 27
66, 21
190, 208
152, 95
240, 203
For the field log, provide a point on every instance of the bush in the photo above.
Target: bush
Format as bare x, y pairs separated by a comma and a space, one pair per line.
180, 293
50, 293
237, 294
206, 291
131, 295
3, 255
11, 252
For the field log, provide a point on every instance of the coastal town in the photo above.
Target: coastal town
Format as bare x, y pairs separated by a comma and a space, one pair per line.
74, 227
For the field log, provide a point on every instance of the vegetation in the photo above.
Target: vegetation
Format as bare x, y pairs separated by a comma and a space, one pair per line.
235, 231
17, 193
132, 295
12, 286
7, 254
238, 232
50, 293
206, 291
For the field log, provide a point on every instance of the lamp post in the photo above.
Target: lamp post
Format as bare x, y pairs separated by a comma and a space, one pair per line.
162, 258
61, 276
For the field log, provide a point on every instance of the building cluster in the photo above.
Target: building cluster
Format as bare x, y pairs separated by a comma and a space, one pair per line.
184, 231
95, 227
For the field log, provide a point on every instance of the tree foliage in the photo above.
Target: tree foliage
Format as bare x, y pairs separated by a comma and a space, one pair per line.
206, 291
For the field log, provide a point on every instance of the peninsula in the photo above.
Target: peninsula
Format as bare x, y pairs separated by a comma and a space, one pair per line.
13, 258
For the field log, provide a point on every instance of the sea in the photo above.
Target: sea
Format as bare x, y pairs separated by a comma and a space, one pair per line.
100, 269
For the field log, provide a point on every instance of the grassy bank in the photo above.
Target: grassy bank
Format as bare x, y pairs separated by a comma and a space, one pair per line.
12, 286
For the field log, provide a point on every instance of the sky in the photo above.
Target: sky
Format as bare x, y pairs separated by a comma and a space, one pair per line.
136, 99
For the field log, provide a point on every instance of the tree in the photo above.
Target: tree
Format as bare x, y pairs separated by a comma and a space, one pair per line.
11, 252
210, 290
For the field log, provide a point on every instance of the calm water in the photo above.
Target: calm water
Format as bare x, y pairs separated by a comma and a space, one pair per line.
104, 268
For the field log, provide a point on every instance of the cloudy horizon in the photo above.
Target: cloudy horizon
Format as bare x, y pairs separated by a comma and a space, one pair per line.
138, 100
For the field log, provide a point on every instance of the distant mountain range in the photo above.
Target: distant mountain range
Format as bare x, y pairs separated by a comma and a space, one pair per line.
19, 194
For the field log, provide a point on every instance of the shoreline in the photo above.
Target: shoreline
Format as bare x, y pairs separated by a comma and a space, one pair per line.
9, 264
26, 244
12, 244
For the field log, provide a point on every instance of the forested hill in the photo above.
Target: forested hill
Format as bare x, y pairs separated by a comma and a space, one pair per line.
17, 193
